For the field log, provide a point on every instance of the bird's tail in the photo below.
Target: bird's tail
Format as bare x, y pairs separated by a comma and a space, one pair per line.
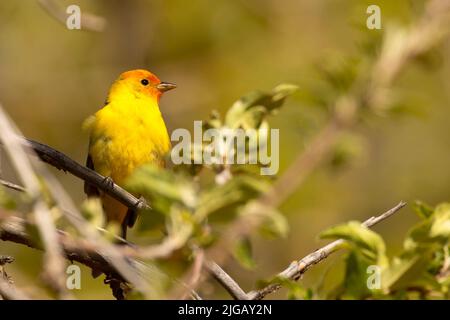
116, 212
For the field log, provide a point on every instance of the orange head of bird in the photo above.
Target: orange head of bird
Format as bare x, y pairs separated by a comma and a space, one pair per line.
141, 83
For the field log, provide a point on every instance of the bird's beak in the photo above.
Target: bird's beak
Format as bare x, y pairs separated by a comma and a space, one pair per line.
165, 86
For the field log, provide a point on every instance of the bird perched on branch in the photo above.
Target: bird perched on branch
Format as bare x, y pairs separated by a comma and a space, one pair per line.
128, 132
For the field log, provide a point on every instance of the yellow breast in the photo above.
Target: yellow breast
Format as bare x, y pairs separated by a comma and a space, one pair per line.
126, 137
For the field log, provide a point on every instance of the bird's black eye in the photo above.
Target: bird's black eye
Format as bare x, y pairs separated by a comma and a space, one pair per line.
144, 82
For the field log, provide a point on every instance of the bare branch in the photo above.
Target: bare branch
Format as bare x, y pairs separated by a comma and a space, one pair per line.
60, 161
226, 281
297, 268
11, 185
171, 242
194, 275
54, 264
14, 230
9, 292
7, 289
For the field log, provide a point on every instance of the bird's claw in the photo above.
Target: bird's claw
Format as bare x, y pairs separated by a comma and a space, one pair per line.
108, 182
140, 203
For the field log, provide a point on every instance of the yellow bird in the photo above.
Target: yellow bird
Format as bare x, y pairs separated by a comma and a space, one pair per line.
128, 132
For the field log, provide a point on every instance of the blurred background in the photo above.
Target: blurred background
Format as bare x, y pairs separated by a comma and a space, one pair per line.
52, 78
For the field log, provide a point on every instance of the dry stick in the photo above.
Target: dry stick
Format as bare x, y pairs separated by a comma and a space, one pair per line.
195, 274
114, 256
85, 252
11, 185
54, 264
298, 268
110, 252
14, 230
226, 281
9, 292
170, 244
60, 161
16, 187
7, 289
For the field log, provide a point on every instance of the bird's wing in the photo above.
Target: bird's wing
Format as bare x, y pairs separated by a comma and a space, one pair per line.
89, 189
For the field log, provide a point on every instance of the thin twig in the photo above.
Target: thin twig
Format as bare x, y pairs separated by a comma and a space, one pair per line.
13, 229
12, 186
61, 161
171, 242
9, 292
7, 289
54, 264
195, 274
226, 281
297, 268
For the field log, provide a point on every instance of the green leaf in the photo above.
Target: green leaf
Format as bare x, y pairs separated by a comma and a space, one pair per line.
348, 148
220, 202
440, 227
250, 111
163, 187
435, 228
150, 221
243, 253
422, 209
355, 279
403, 269
419, 235
6, 201
369, 243
339, 73
295, 290
34, 235
275, 224
92, 210
214, 121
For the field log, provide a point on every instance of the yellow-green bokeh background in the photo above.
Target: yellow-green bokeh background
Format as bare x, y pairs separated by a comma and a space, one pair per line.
52, 78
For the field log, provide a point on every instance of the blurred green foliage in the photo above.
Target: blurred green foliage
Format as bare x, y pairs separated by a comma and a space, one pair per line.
420, 270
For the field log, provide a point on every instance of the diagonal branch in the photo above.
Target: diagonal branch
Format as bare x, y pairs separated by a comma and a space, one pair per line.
11, 185
13, 229
297, 268
61, 161
54, 264
226, 281
9, 292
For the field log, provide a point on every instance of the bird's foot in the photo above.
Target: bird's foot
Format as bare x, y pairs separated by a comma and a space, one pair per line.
108, 182
141, 203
